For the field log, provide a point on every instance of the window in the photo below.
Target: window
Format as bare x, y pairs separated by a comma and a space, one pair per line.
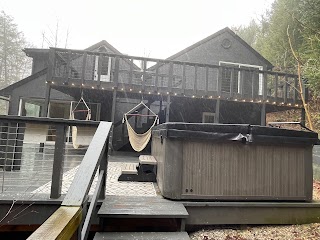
208, 117
247, 76
105, 68
4, 105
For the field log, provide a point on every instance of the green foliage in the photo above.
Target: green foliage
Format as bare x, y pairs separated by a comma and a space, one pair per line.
14, 64
269, 36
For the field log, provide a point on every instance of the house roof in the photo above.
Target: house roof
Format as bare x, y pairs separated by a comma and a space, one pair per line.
103, 43
228, 30
7, 90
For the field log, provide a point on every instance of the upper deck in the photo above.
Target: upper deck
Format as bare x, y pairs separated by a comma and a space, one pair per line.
105, 71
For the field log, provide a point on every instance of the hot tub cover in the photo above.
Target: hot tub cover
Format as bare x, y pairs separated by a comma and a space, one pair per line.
234, 132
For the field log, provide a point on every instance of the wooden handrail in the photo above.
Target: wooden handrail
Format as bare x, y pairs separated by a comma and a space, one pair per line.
65, 221
82, 180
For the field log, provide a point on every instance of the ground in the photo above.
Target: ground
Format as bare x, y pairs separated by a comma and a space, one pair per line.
286, 232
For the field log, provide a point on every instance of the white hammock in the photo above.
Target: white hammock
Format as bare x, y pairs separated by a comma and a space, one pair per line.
139, 141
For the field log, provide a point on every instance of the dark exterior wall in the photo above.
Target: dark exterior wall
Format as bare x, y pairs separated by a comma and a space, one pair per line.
191, 110
34, 89
237, 112
212, 52
39, 63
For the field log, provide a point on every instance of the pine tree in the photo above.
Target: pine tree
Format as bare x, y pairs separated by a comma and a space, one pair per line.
14, 64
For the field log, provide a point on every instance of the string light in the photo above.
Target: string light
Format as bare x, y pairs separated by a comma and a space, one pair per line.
52, 82
103, 88
140, 91
236, 100
72, 84
158, 93
92, 87
274, 103
130, 89
175, 94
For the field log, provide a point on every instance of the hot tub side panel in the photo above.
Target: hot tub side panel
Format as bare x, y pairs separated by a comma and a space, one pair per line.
235, 171
168, 153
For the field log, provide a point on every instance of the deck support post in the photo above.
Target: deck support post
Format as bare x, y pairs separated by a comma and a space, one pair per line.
58, 160
168, 108
263, 115
44, 112
217, 111
113, 112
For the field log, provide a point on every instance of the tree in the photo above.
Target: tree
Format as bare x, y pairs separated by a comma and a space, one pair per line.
14, 64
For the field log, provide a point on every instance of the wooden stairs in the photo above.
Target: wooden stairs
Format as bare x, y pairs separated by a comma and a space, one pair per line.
141, 217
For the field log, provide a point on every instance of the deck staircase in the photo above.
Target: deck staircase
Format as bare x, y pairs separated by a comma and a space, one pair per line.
124, 217
127, 217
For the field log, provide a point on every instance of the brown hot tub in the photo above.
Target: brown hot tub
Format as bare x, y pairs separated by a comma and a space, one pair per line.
233, 162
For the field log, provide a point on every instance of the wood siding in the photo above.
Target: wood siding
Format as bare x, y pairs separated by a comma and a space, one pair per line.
237, 171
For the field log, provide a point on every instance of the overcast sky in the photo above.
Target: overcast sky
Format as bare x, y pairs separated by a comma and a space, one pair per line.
154, 28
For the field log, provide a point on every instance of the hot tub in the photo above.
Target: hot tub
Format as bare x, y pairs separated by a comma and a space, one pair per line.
233, 162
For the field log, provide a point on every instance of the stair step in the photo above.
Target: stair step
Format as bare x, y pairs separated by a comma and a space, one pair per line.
141, 235
130, 168
141, 207
147, 159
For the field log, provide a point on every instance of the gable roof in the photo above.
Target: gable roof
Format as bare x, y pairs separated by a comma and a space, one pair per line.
7, 90
224, 30
105, 44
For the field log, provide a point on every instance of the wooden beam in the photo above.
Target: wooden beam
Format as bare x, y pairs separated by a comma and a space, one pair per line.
219, 81
263, 114
207, 81
84, 65
68, 66
114, 104
60, 225
157, 78
276, 87
285, 91
116, 71
303, 117
51, 64
58, 161
295, 90
232, 83
217, 112
168, 109
170, 77
44, 110
131, 71
195, 79
264, 86
99, 68
183, 77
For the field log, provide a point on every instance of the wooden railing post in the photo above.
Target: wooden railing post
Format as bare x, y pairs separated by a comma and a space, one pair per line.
264, 86
67, 76
170, 80
232, 83
206, 88
116, 71
285, 92
58, 160
183, 78
84, 64
219, 84
195, 79
51, 64
99, 68
276, 87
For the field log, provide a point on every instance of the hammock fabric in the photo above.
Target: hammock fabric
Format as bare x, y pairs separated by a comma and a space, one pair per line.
139, 141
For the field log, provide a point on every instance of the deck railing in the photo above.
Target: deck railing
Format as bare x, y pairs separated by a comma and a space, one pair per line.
156, 76
34, 155
68, 219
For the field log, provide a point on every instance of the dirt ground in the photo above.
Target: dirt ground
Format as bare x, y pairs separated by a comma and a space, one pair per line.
280, 232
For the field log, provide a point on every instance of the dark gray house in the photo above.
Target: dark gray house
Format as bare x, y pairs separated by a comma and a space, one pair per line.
219, 79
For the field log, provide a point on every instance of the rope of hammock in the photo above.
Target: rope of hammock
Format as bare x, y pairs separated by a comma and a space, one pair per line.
75, 128
139, 141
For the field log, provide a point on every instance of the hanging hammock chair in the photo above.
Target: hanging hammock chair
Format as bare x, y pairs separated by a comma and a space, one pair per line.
139, 141
81, 135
